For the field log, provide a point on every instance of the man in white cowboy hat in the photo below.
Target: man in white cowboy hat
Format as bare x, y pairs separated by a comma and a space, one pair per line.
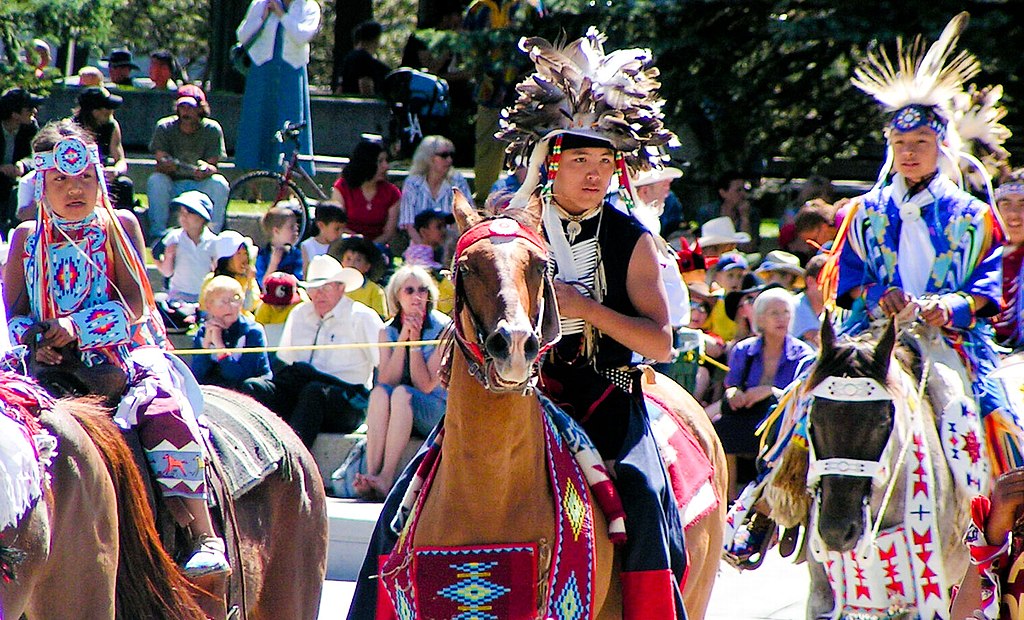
718, 236
654, 188
324, 390
782, 267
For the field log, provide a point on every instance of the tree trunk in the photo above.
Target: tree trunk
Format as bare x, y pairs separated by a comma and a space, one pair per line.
348, 15
225, 16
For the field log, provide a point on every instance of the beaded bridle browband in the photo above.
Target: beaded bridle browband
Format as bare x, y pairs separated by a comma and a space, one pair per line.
479, 361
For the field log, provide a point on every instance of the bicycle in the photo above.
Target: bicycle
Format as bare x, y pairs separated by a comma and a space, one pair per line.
278, 187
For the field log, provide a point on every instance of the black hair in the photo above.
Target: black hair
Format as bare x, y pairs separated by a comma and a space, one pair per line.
327, 212
55, 131
362, 166
726, 179
367, 32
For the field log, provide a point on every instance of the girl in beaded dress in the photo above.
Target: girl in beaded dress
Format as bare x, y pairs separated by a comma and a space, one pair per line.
76, 273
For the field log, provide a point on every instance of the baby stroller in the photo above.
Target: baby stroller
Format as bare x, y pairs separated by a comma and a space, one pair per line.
419, 105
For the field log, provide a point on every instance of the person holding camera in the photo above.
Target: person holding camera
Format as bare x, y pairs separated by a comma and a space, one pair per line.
276, 36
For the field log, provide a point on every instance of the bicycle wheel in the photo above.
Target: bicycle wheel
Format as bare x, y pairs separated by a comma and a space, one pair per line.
257, 192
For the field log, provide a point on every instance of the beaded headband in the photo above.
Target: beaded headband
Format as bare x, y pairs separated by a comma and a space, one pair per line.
1006, 189
916, 116
70, 156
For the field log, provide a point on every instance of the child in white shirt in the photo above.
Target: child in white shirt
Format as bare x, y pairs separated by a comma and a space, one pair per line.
189, 250
330, 223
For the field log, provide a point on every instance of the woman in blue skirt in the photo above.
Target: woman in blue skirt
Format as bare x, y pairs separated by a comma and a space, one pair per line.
276, 34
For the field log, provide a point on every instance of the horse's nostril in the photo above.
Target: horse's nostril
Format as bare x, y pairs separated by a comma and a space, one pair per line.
531, 347
497, 345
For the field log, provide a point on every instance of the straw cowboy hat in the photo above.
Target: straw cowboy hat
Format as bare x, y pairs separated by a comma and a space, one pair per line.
656, 175
325, 269
720, 231
780, 260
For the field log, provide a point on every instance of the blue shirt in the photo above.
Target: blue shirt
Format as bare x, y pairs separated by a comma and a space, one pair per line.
234, 369
747, 358
291, 262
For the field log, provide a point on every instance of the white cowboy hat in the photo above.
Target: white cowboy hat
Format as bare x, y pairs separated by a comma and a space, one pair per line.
720, 231
325, 269
655, 175
780, 260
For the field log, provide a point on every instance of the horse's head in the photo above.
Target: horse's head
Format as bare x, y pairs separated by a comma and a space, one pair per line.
850, 423
505, 313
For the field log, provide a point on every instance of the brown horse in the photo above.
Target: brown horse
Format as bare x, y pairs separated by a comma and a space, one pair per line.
94, 540
505, 497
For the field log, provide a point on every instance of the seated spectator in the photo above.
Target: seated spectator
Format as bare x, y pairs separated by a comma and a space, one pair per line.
810, 305
815, 189
281, 253
225, 327
719, 236
370, 201
120, 65
430, 182
408, 398
18, 126
739, 306
361, 73
363, 255
188, 147
330, 224
41, 57
189, 251
282, 296
234, 257
759, 368
95, 112
782, 268
654, 188
813, 227
432, 228
87, 76
163, 70
324, 390
726, 276
701, 302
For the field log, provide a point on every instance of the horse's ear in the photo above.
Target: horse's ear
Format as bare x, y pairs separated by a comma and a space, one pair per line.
883, 352
531, 213
465, 215
828, 335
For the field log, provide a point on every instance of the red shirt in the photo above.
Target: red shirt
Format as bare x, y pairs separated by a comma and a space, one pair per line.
368, 218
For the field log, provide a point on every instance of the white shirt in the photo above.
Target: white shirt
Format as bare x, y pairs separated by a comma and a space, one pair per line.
192, 261
348, 322
301, 22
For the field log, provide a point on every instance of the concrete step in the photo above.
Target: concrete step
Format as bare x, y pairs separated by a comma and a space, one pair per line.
351, 524
331, 449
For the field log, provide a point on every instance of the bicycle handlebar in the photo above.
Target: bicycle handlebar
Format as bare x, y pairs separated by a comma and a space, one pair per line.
290, 131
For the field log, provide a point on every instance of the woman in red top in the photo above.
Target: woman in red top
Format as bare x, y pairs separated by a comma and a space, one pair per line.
369, 200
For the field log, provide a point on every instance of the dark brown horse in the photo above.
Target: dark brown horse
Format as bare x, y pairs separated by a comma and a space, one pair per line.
93, 539
492, 473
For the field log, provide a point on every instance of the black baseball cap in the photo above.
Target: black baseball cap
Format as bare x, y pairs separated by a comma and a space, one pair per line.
425, 217
99, 98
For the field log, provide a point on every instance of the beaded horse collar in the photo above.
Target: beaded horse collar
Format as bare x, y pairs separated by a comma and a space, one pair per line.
480, 364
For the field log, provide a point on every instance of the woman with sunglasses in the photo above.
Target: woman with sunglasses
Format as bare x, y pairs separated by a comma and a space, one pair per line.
429, 185
408, 398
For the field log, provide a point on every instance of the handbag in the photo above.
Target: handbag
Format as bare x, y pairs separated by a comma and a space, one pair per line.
239, 53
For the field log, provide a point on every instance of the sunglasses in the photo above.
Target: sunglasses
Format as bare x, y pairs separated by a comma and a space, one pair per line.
445, 155
412, 290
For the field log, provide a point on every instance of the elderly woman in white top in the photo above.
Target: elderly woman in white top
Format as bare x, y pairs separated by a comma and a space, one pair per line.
429, 185
277, 35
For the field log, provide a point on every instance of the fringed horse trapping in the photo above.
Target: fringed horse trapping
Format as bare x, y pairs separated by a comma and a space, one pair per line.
888, 496
529, 539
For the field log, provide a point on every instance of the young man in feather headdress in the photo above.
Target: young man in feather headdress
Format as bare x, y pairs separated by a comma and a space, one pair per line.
582, 120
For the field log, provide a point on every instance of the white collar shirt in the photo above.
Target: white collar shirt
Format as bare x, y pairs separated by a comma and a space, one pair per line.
348, 322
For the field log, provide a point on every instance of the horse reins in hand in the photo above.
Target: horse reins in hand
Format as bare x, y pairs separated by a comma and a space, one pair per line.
476, 356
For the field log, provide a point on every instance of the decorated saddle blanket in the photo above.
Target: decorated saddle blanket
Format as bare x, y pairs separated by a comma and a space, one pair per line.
26, 448
689, 470
246, 446
500, 581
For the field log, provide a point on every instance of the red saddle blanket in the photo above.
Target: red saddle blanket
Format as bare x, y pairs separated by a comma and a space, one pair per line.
689, 470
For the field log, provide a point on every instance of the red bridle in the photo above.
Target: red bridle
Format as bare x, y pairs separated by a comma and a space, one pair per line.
498, 227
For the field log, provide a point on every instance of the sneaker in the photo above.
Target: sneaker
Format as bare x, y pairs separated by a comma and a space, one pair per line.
208, 558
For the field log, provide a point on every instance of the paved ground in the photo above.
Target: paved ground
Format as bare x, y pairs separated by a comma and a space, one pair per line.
776, 591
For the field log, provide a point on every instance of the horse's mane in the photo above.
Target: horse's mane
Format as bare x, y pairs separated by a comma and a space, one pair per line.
149, 583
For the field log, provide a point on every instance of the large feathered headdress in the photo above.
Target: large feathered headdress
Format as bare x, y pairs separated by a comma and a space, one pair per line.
578, 89
926, 89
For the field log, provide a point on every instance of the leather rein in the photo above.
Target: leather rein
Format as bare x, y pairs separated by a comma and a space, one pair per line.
480, 362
